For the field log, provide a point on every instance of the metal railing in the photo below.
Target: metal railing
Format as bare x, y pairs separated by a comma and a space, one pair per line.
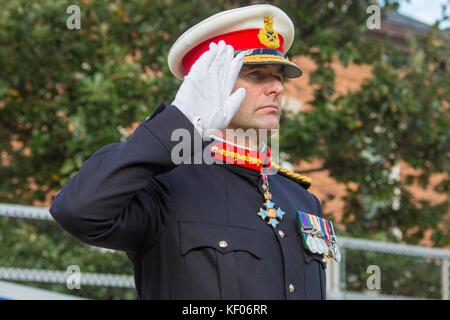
55, 276
24, 212
335, 271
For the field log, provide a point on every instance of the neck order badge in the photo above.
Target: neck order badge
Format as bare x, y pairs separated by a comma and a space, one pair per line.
269, 214
233, 154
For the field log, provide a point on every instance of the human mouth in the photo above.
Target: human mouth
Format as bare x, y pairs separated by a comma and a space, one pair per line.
270, 107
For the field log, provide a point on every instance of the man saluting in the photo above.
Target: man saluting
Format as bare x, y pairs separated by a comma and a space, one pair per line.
226, 230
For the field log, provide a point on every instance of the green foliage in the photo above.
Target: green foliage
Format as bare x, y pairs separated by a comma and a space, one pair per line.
65, 93
43, 245
399, 275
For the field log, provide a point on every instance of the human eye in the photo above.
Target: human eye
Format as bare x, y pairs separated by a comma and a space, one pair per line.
280, 77
259, 75
256, 73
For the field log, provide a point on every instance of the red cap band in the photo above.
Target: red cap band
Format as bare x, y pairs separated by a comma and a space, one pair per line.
240, 40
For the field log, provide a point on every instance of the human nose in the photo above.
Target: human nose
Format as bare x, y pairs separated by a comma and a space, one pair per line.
274, 87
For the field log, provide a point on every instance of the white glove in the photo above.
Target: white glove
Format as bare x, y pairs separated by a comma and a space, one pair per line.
205, 96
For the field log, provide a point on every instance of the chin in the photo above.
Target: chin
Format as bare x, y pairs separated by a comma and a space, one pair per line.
270, 123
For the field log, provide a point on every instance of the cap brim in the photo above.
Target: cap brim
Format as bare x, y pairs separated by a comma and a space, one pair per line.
290, 70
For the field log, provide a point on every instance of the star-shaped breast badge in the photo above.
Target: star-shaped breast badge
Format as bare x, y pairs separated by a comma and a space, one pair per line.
269, 214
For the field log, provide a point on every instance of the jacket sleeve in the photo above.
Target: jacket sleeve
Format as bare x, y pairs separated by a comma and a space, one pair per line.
112, 202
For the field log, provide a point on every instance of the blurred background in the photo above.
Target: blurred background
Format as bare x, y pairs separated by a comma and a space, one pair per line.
369, 122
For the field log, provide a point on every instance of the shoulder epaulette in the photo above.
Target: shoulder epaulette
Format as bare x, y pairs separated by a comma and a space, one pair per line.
303, 180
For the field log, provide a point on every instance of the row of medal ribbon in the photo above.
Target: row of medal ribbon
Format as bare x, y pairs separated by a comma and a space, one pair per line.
318, 235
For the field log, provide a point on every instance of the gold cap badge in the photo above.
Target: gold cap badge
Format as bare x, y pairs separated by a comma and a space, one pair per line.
267, 35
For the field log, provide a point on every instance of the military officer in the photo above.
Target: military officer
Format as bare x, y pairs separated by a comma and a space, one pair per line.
225, 230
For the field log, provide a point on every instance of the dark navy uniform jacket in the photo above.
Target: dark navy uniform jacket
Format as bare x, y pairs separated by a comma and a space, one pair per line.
170, 219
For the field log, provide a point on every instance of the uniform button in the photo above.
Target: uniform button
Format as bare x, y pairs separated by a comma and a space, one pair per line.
291, 288
281, 233
223, 244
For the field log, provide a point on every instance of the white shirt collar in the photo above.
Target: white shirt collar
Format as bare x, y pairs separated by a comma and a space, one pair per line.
231, 143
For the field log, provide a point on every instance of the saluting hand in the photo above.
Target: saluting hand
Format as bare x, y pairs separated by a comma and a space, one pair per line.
205, 95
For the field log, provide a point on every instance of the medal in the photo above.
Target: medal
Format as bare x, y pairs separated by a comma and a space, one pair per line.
325, 236
328, 238
268, 212
322, 245
326, 249
305, 229
312, 244
318, 245
319, 233
335, 250
337, 254
318, 236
